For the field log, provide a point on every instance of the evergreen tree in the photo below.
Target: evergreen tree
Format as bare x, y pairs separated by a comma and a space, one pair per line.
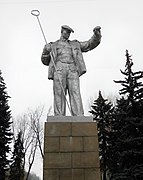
102, 111
127, 127
17, 166
5, 129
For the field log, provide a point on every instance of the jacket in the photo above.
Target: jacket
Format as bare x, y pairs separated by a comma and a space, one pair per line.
50, 54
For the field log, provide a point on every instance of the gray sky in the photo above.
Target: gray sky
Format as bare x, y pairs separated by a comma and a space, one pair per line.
21, 44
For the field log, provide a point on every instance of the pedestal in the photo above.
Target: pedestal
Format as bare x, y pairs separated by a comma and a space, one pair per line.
71, 149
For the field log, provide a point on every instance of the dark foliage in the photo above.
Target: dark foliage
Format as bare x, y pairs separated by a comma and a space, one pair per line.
17, 166
127, 127
5, 129
102, 111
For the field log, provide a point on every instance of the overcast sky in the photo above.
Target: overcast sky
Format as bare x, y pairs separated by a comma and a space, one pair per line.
21, 45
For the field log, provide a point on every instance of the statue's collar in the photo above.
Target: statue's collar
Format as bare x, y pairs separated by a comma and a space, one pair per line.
64, 40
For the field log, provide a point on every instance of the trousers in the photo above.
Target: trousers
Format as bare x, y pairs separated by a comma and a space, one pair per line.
67, 75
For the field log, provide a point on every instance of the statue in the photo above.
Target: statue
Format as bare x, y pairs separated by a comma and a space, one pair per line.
66, 65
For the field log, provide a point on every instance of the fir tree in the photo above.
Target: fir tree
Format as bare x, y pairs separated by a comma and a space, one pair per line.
17, 166
5, 129
127, 129
102, 111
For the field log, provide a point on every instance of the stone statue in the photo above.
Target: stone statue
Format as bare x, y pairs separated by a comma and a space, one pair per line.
66, 65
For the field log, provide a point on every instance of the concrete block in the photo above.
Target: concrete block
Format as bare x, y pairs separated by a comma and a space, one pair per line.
78, 174
92, 174
65, 174
71, 174
57, 160
57, 129
52, 144
84, 129
51, 174
85, 160
90, 143
71, 144
71, 149
69, 119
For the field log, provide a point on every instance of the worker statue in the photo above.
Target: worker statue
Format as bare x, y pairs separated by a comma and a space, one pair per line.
66, 65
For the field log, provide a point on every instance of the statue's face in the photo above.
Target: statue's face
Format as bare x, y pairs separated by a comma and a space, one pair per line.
66, 34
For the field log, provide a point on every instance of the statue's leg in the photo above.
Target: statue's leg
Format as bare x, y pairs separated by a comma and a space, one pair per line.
59, 99
74, 93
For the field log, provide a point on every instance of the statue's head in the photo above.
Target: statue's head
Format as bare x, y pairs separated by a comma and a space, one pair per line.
66, 31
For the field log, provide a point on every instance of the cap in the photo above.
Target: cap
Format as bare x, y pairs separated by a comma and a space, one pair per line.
97, 28
68, 28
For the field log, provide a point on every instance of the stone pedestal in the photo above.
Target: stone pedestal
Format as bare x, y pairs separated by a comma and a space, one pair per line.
71, 149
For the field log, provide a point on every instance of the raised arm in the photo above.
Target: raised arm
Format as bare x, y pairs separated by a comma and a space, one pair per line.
93, 42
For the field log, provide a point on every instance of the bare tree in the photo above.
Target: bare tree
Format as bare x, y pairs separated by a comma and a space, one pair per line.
31, 126
36, 126
31, 156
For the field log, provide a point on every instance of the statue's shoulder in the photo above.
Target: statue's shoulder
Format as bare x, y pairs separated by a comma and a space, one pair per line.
74, 42
50, 44
53, 44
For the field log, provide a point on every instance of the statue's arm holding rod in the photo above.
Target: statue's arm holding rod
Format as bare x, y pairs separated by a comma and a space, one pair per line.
46, 56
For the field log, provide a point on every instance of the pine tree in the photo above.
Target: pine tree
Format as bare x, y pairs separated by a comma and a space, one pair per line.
5, 129
17, 166
102, 111
127, 129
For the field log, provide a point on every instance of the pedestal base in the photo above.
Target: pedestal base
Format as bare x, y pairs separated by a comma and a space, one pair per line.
71, 149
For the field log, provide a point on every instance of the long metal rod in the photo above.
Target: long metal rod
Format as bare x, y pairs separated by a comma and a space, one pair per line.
37, 13
41, 29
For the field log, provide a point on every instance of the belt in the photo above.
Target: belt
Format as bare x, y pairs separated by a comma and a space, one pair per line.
66, 62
